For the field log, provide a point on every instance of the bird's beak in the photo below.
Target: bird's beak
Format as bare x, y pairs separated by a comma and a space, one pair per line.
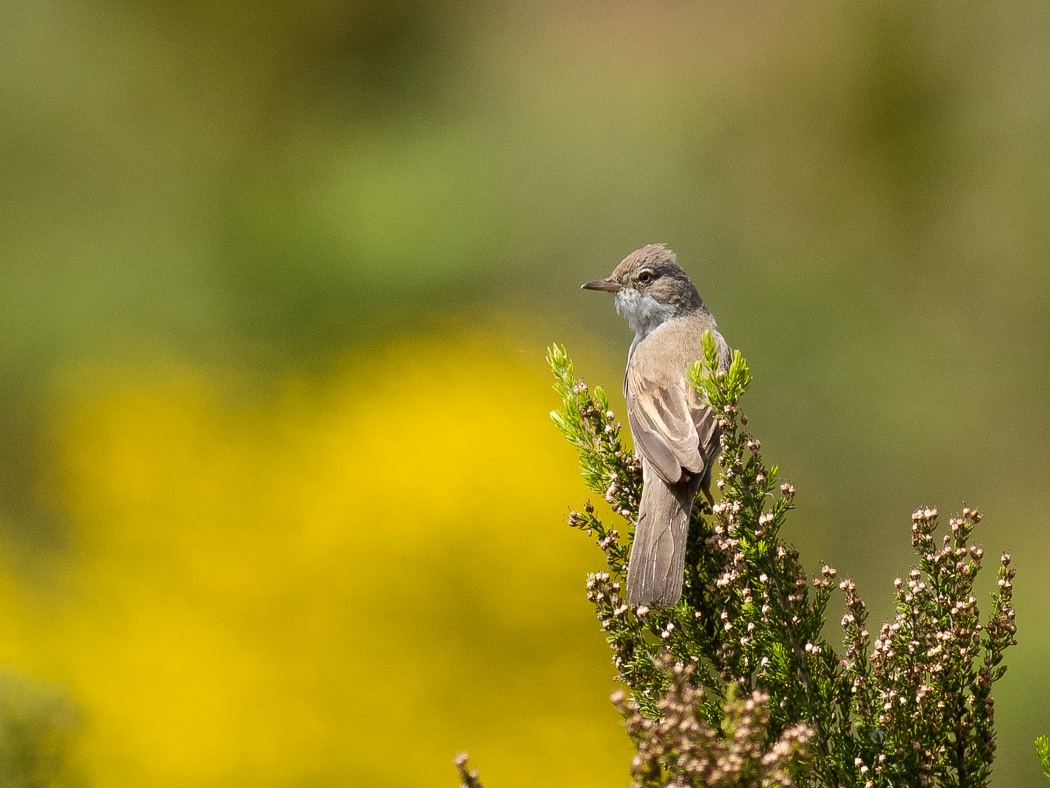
607, 285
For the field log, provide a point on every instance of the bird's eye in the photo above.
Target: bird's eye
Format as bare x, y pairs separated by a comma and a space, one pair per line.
645, 277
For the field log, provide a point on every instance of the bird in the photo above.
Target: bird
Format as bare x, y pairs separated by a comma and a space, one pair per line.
676, 436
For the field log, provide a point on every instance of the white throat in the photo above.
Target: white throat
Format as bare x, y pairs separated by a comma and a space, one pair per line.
643, 312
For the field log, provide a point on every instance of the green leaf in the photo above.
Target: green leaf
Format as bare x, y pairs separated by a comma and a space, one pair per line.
1042, 748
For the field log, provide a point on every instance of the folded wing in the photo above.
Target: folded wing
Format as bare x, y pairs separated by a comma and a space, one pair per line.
672, 428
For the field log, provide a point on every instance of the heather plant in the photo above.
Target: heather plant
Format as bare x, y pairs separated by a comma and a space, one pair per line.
738, 684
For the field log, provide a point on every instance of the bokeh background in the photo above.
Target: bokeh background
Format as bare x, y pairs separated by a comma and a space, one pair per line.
280, 503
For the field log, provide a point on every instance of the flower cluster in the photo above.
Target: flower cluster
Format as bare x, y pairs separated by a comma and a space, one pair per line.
608, 539
681, 748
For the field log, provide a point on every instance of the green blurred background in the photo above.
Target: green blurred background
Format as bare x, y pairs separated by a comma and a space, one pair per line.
280, 503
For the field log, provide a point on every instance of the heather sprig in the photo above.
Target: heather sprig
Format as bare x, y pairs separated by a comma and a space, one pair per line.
609, 469
1042, 749
468, 777
911, 708
926, 701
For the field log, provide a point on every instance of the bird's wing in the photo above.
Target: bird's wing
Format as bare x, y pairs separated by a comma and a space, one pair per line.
708, 430
671, 427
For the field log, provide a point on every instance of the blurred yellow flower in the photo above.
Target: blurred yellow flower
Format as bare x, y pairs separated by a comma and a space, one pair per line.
341, 583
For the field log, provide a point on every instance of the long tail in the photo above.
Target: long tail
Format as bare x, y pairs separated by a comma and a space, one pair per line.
657, 566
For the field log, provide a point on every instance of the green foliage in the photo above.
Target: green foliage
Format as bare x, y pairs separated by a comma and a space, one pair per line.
609, 468
1042, 749
915, 709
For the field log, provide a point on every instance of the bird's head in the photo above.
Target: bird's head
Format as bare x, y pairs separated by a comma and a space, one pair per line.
650, 288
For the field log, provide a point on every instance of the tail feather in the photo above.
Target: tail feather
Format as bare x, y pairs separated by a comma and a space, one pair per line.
657, 566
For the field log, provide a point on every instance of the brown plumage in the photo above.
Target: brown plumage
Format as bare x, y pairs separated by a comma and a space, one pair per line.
675, 434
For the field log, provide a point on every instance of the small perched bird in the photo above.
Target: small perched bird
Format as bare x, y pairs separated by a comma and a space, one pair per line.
675, 434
